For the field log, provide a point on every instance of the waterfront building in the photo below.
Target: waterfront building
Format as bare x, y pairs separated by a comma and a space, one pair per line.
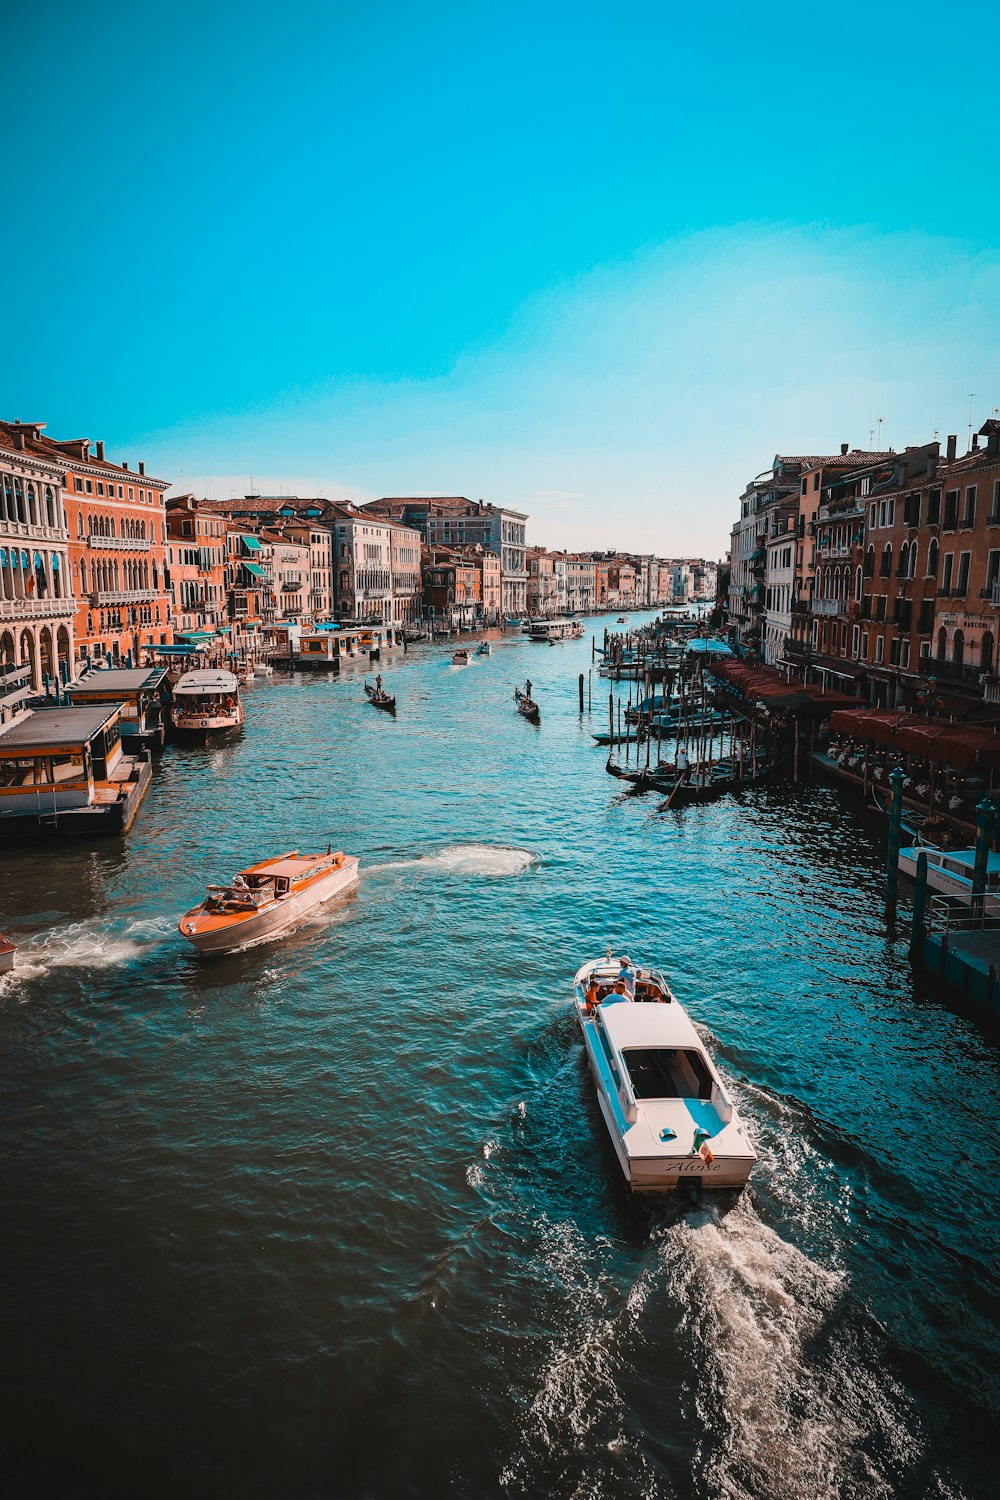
249, 587
542, 592
621, 584
929, 615
116, 518
581, 585
407, 583
490, 583
452, 585
455, 521
290, 558
37, 609
196, 565
318, 591
363, 556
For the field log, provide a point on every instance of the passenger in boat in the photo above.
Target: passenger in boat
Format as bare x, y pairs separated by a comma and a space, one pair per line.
592, 995
239, 884
616, 993
627, 977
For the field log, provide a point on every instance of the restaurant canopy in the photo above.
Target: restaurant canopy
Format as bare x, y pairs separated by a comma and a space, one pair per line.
963, 747
767, 687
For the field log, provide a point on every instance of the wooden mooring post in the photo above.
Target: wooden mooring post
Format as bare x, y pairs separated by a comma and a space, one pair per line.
896, 780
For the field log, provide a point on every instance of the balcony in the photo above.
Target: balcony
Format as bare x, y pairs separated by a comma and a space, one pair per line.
798, 649
829, 607
119, 543
995, 592
843, 511
37, 609
125, 596
950, 671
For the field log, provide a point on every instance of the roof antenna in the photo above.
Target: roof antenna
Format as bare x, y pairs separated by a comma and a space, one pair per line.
972, 398
879, 435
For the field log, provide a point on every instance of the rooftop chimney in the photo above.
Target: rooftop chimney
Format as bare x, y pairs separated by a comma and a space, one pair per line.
975, 442
124, 466
142, 468
952, 447
100, 453
843, 449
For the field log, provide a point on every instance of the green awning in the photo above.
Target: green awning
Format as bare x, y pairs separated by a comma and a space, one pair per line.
252, 543
254, 568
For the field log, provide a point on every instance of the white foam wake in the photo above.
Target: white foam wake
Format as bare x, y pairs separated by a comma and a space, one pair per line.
495, 860
96, 944
779, 1417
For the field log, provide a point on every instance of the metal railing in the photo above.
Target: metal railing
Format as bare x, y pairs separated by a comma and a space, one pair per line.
963, 913
125, 596
949, 671
119, 543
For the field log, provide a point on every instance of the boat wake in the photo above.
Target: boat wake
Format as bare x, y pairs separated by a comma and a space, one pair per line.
89, 945
491, 860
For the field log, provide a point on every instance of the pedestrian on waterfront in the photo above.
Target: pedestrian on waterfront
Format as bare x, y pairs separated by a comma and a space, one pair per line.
626, 977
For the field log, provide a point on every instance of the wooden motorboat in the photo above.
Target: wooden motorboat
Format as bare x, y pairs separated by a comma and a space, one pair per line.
461, 658
527, 706
380, 699
670, 1117
8, 951
266, 899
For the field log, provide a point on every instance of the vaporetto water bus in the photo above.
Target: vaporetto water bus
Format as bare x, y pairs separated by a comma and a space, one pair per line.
205, 702
556, 630
668, 1113
266, 899
950, 870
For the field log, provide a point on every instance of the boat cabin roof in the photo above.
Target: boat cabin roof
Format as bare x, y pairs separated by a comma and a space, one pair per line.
53, 729
289, 866
634, 1024
961, 858
117, 680
206, 680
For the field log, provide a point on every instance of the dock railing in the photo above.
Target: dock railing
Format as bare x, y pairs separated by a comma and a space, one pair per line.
963, 914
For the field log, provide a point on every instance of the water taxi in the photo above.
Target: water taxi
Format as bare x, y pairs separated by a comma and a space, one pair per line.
556, 630
205, 702
950, 871
461, 658
668, 1113
484, 649
264, 900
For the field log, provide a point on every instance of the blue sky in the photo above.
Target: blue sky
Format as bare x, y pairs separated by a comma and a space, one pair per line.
597, 263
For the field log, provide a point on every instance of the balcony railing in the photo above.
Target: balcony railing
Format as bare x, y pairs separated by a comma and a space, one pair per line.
829, 606
996, 591
37, 609
949, 671
119, 543
125, 596
846, 512
797, 648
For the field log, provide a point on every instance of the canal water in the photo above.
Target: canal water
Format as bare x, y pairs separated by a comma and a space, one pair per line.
337, 1216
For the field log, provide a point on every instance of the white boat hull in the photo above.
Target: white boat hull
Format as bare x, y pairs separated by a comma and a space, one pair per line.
275, 920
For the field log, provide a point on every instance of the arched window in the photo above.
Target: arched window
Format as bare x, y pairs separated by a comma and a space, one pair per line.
886, 567
932, 558
50, 506
942, 644
986, 652
958, 648
79, 524
858, 583
912, 571
83, 576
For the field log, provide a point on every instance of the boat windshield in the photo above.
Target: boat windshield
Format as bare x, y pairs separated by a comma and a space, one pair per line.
667, 1073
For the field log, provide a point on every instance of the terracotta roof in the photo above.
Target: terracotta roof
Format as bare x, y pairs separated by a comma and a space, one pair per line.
71, 453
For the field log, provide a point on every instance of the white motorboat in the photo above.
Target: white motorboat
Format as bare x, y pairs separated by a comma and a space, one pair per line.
461, 658
484, 649
205, 701
266, 899
669, 1115
950, 871
263, 669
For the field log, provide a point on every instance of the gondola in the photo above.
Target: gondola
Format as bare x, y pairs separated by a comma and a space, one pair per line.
527, 707
379, 699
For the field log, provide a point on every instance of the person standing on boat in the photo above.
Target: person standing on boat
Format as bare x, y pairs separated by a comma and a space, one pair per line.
527, 687
627, 976
378, 682
683, 764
